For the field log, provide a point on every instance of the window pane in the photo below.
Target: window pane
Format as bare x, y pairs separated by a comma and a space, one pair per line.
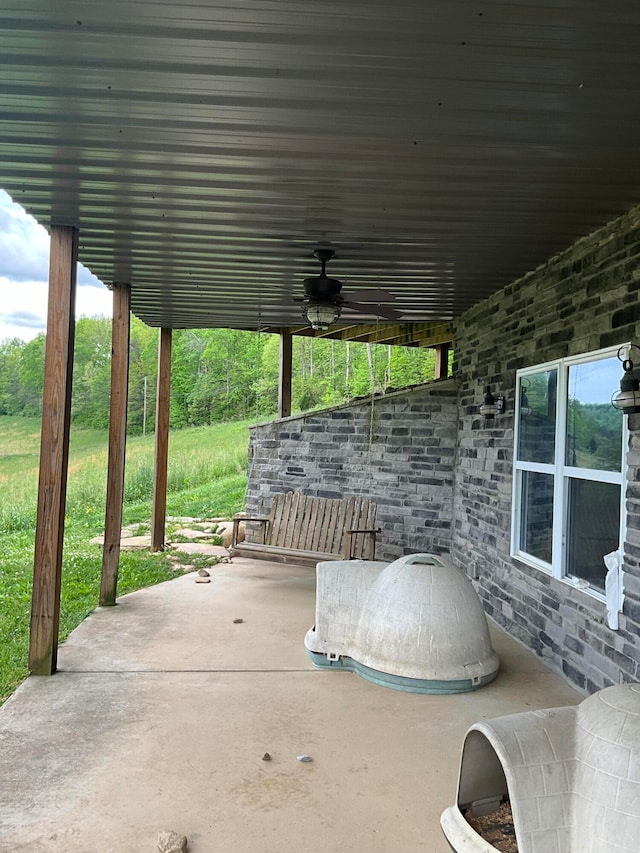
594, 427
536, 516
593, 528
537, 417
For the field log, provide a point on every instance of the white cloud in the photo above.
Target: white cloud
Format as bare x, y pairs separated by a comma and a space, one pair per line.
24, 270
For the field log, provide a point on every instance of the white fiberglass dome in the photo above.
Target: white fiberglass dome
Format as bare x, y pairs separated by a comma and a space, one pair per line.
416, 624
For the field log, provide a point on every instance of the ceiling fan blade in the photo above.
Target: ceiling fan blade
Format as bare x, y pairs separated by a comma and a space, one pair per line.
377, 310
373, 294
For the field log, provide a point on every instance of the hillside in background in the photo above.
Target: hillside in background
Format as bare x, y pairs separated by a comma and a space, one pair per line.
217, 374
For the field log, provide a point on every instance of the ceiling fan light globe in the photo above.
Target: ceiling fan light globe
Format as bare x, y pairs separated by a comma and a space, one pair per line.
321, 315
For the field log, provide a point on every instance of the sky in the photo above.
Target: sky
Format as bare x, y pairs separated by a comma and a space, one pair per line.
24, 272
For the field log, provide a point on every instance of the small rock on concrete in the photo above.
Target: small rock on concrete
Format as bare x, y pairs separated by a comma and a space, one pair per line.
171, 842
266, 757
238, 621
203, 580
203, 573
304, 757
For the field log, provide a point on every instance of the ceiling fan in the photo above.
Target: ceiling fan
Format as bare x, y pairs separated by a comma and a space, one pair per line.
323, 302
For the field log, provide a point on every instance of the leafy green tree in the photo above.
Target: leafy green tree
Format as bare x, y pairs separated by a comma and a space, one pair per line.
10, 395
92, 373
410, 365
240, 372
143, 370
186, 354
32, 376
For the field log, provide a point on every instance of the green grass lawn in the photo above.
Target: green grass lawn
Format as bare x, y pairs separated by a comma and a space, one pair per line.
207, 477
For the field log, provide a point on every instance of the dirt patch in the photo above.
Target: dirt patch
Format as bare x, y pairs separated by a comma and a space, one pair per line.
496, 828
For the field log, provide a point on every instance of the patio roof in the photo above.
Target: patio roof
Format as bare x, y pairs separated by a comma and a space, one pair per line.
443, 148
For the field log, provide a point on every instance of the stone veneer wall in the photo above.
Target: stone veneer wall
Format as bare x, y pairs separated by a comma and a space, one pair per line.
402, 458
582, 300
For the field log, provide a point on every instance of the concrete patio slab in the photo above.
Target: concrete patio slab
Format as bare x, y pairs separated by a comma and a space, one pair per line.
164, 707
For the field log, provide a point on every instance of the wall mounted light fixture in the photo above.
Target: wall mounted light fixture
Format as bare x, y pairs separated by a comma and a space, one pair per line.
491, 406
627, 399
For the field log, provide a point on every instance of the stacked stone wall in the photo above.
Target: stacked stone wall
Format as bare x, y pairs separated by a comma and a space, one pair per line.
398, 451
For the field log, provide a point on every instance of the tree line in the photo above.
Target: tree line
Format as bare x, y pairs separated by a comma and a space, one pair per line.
216, 374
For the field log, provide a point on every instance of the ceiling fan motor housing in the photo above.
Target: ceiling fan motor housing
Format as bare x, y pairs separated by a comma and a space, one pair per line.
323, 288
320, 287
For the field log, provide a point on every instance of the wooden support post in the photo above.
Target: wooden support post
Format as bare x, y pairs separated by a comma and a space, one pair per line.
284, 382
442, 361
54, 451
162, 442
120, 334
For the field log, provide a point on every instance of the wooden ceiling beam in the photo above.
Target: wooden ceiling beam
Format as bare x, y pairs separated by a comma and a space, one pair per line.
400, 334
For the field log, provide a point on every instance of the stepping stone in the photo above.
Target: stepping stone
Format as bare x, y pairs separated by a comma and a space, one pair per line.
191, 533
126, 535
135, 543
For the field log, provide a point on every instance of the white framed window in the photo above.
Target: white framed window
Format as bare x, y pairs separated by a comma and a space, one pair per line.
569, 468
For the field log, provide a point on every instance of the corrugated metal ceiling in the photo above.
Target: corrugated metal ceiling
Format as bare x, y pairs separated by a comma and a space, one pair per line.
442, 147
